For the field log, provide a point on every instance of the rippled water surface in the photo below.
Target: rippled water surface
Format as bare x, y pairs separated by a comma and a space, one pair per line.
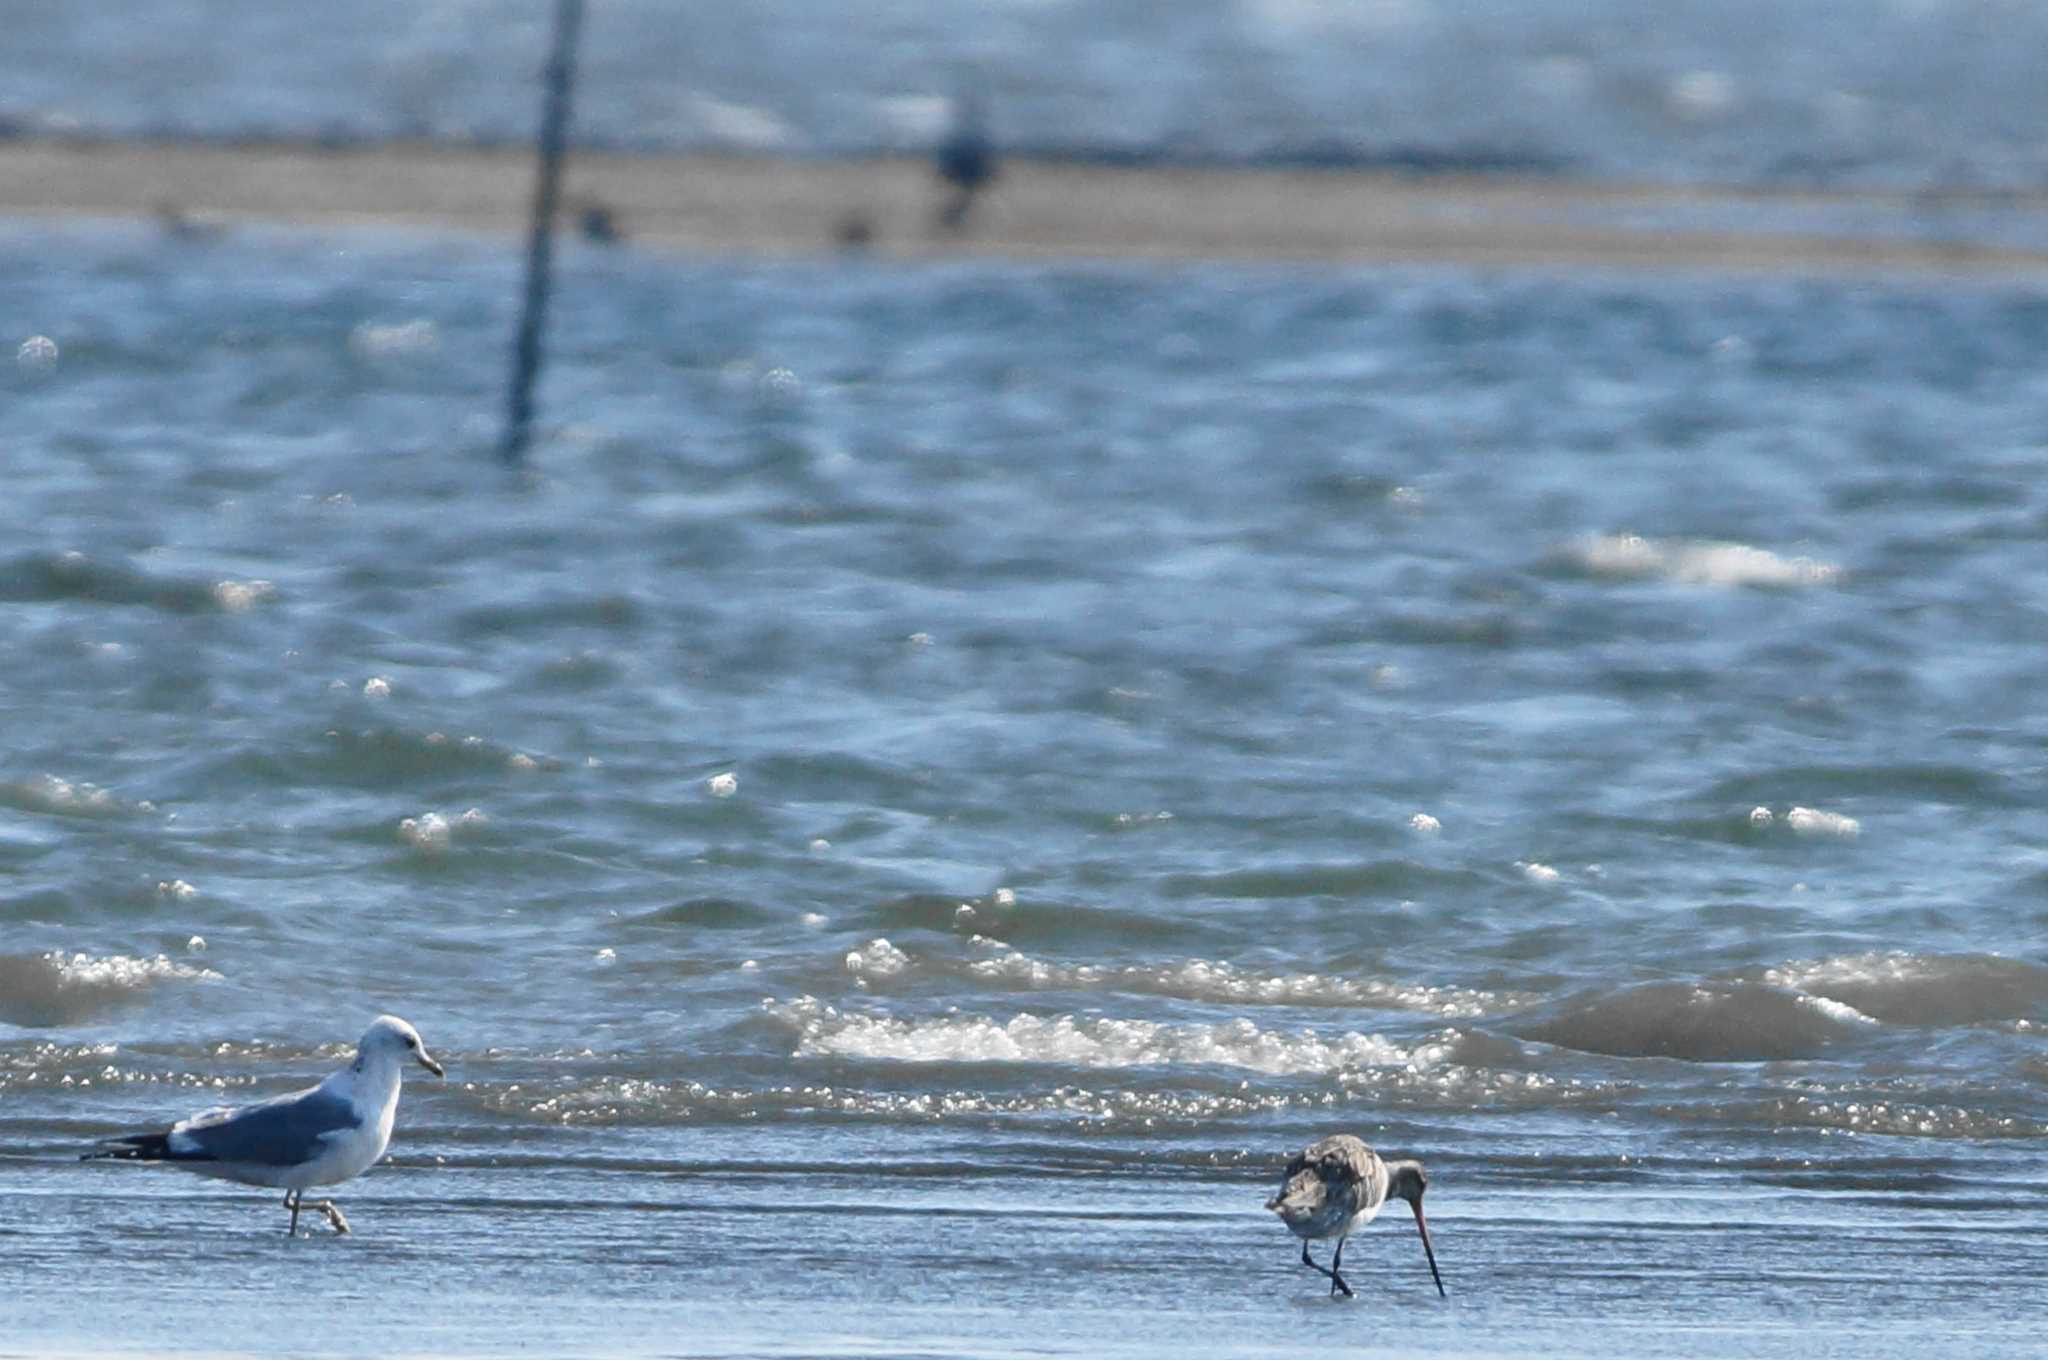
940, 778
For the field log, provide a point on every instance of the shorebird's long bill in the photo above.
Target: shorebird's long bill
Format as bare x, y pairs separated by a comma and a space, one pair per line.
1422, 1226
433, 1066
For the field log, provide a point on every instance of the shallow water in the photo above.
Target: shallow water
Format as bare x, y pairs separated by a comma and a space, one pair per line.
942, 777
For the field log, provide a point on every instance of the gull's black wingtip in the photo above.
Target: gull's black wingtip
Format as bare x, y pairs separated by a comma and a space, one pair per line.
140, 1147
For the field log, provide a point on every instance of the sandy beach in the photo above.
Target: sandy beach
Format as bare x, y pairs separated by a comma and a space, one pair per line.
762, 206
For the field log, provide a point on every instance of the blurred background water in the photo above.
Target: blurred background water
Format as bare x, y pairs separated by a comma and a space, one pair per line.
1874, 93
940, 776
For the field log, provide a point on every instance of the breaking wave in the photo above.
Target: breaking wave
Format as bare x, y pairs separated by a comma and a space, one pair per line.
46, 990
1701, 1022
1203, 980
825, 1031
1630, 557
1913, 989
48, 794
42, 576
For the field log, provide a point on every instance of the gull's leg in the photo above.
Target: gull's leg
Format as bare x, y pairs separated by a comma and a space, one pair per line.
1336, 1280
328, 1207
291, 1202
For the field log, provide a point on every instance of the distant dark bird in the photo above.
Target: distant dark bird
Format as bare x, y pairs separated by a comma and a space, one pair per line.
854, 232
1335, 1186
966, 161
598, 225
180, 225
322, 1135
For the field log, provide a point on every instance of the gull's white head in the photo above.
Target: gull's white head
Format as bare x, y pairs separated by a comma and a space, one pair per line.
390, 1037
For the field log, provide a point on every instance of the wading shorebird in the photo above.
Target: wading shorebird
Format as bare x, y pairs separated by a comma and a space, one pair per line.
323, 1135
1337, 1185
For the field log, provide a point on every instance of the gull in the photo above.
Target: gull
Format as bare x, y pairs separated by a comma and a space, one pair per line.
1337, 1185
322, 1135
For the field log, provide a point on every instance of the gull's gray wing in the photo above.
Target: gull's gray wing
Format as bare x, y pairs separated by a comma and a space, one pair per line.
282, 1131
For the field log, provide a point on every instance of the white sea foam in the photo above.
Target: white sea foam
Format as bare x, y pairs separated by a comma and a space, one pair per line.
59, 989
877, 958
1923, 989
1731, 350
1703, 95
1697, 562
1851, 970
434, 832
428, 831
120, 970
395, 340
46, 1057
1422, 824
49, 793
750, 126
1814, 822
240, 596
1078, 1041
65, 796
38, 354
919, 119
1203, 980
722, 785
1537, 873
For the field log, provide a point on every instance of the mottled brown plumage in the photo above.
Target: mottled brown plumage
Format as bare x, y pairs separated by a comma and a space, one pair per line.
1335, 1186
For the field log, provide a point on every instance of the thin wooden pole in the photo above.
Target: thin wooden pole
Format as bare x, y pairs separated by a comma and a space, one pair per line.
554, 127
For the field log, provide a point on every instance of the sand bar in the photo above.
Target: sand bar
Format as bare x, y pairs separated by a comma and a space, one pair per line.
765, 206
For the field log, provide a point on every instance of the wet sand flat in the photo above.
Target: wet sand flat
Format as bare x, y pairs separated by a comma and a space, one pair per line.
766, 206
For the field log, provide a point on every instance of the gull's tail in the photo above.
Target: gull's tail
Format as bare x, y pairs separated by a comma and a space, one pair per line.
136, 1147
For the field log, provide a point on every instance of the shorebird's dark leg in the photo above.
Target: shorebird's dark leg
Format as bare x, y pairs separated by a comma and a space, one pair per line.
291, 1202
1336, 1280
333, 1212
